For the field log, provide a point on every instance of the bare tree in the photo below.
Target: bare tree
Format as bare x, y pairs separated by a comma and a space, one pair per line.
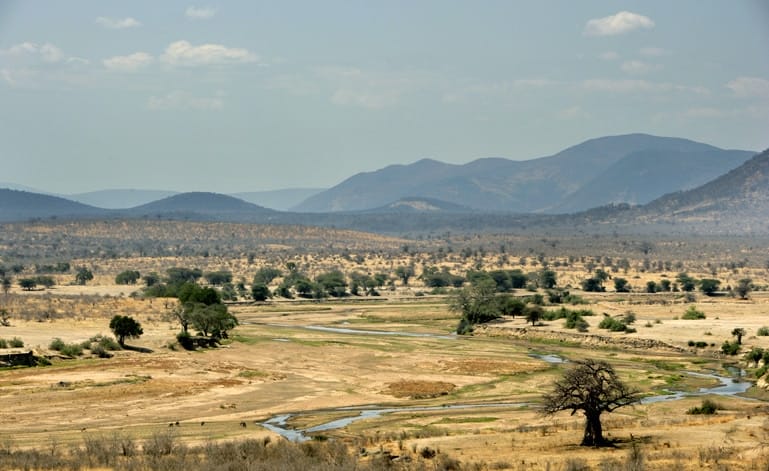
593, 387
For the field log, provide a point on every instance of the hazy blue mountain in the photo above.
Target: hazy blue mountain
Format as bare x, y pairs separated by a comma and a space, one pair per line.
742, 194
496, 184
281, 200
120, 198
18, 205
643, 176
15, 186
211, 205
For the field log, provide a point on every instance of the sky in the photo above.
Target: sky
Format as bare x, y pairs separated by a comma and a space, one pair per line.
254, 95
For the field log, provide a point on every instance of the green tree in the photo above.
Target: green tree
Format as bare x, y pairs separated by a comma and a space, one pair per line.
743, 288
83, 275
125, 327
593, 387
179, 275
651, 287
212, 321
45, 281
547, 279
405, 273
127, 277
533, 313
477, 303
266, 275
738, 332
27, 284
709, 286
686, 282
218, 278
621, 285
333, 283
510, 306
592, 284
260, 292
151, 279
6, 284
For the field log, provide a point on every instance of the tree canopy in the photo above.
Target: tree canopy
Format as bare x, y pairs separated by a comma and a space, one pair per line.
593, 387
125, 327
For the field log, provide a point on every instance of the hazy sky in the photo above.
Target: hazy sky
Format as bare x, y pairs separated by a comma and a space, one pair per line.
254, 95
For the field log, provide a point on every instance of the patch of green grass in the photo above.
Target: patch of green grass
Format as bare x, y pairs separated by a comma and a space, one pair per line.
252, 374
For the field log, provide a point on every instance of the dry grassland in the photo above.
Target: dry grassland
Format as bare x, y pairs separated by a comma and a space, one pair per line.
274, 364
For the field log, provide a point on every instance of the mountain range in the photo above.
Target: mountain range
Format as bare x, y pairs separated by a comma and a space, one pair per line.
735, 200
632, 168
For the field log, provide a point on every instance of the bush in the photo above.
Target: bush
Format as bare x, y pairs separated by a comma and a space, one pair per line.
612, 324
100, 351
692, 314
57, 344
708, 407
72, 350
3, 343
185, 340
763, 331
730, 348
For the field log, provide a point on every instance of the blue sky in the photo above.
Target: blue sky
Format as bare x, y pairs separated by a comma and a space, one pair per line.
246, 96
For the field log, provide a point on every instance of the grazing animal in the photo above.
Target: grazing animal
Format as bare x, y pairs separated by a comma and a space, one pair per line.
243, 424
176, 423
202, 424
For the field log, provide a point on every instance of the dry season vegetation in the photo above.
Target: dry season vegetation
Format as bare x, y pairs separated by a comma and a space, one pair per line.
291, 329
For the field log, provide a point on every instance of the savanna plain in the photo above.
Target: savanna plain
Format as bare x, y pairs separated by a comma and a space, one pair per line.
352, 361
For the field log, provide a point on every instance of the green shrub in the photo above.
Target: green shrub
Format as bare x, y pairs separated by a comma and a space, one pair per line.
100, 351
755, 354
16, 343
72, 350
708, 407
692, 313
3, 343
763, 331
730, 348
56, 344
612, 324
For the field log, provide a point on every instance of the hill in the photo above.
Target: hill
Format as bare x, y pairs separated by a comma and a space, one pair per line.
643, 176
18, 205
201, 203
420, 205
738, 198
495, 184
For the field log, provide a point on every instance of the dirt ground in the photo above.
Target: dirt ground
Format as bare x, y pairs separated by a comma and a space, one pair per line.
274, 365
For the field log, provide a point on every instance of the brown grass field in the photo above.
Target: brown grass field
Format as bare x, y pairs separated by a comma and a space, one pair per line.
273, 364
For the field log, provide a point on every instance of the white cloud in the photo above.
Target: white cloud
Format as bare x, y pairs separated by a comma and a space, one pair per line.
46, 52
182, 53
654, 52
179, 100
638, 67
639, 86
749, 87
129, 63
203, 13
609, 56
355, 87
622, 22
117, 23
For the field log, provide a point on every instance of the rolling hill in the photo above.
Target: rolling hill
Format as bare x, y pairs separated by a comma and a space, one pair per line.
201, 203
548, 185
18, 205
119, 198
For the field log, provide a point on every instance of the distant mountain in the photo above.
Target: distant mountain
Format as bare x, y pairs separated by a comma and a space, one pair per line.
22, 205
640, 177
281, 200
420, 205
119, 199
496, 184
211, 205
740, 197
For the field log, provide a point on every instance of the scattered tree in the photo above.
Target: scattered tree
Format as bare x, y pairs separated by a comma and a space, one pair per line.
27, 284
83, 275
686, 282
533, 313
405, 273
127, 277
125, 327
738, 332
709, 286
743, 288
621, 285
593, 387
260, 292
